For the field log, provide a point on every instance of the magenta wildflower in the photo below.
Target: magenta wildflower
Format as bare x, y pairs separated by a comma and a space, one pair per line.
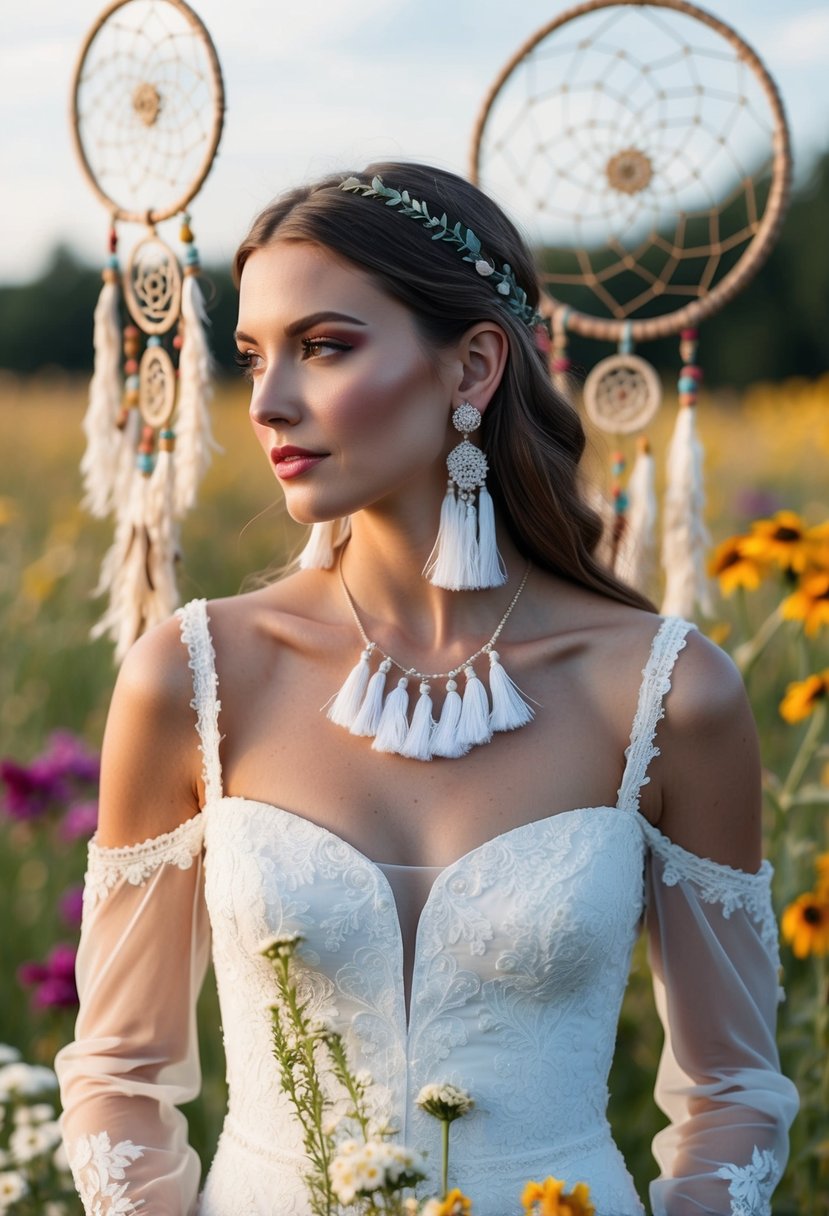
29, 791
71, 905
81, 819
68, 756
53, 980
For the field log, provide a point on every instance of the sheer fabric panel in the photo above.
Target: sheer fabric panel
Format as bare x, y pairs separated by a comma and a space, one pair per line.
144, 950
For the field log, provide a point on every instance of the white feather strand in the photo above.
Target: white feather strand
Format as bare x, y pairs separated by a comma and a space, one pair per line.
99, 465
685, 538
194, 438
636, 559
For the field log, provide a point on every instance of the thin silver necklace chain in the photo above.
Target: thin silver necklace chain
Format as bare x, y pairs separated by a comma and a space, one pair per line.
412, 671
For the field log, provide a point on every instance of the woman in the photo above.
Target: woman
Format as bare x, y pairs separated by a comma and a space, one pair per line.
466, 920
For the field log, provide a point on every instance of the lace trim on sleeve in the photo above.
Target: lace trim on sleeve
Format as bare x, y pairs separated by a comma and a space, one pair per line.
656, 684
751, 1186
135, 863
98, 1168
716, 882
195, 634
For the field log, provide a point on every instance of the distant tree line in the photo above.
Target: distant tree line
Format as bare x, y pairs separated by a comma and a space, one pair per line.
777, 327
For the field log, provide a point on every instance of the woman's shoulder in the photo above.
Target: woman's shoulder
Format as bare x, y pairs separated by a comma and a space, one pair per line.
709, 770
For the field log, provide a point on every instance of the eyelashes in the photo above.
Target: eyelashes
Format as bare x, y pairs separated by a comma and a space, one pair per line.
312, 348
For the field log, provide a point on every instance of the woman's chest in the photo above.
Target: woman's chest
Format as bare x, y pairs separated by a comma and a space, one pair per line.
538, 913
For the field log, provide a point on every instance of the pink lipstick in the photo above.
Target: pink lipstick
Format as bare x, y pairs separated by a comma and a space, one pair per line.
290, 461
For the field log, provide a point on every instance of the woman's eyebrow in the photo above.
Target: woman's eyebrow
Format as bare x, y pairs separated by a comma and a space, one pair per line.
298, 327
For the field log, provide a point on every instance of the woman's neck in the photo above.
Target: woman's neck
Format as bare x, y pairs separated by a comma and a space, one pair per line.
382, 567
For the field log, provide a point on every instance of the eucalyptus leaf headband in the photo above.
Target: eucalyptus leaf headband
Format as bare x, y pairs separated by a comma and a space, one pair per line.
513, 296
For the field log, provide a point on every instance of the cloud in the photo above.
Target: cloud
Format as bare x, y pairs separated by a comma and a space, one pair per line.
803, 39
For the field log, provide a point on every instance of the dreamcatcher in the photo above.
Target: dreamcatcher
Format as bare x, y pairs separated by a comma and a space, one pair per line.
147, 112
645, 149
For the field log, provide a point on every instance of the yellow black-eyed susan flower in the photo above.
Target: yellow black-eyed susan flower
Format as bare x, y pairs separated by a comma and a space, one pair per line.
782, 540
734, 567
818, 541
803, 696
805, 925
549, 1198
455, 1204
809, 603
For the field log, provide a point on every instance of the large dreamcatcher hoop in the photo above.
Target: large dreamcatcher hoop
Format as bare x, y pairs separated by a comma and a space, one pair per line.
147, 109
645, 148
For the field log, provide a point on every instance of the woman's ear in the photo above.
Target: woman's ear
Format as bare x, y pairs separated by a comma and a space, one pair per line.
482, 352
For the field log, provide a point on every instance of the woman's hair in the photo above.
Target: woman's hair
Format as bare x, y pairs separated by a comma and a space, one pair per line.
532, 436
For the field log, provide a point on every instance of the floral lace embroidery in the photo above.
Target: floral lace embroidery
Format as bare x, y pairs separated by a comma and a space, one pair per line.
718, 883
650, 709
98, 1168
195, 634
135, 863
751, 1186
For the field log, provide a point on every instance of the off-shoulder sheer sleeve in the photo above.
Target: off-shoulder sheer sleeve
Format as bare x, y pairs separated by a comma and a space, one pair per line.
713, 948
144, 948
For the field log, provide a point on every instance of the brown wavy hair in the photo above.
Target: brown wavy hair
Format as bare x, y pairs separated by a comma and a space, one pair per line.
532, 436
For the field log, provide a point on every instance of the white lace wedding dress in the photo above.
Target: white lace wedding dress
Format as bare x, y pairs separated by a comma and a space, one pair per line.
517, 974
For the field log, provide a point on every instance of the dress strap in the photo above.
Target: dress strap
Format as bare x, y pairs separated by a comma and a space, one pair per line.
656, 683
195, 634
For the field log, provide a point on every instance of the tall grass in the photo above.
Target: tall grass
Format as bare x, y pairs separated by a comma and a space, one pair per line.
766, 450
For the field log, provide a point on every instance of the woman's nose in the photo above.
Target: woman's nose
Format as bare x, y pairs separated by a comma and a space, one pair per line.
274, 404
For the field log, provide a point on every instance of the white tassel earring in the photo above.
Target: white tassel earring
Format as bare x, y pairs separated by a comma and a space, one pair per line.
465, 556
324, 539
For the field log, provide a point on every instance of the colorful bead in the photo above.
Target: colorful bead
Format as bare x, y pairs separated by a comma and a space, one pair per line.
687, 384
145, 462
153, 340
133, 383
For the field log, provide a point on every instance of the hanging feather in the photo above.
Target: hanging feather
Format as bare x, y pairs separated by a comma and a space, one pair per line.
99, 464
124, 572
685, 538
636, 556
194, 436
163, 533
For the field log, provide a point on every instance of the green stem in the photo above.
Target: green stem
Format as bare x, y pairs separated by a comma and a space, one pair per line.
444, 1125
746, 655
810, 743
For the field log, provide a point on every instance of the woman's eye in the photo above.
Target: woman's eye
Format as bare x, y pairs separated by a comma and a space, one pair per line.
314, 348
248, 361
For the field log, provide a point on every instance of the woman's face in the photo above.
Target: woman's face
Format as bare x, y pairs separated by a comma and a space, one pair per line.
346, 401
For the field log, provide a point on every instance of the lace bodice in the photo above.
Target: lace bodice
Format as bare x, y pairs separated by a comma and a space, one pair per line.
518, 954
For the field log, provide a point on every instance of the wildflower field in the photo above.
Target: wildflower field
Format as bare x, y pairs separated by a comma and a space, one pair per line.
767, 456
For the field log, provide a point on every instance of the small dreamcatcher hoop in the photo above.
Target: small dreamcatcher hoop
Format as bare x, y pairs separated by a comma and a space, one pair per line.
147, 113
645, 147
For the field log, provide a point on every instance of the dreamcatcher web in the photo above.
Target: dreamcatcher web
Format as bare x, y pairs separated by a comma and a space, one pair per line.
146, 106
635, 145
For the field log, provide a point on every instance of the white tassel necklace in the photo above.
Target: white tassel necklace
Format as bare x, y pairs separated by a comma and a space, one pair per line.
363, 707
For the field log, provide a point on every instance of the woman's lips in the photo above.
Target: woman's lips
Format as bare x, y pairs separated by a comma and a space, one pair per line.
291, 462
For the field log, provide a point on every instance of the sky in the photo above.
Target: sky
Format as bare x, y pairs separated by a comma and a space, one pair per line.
319, 87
